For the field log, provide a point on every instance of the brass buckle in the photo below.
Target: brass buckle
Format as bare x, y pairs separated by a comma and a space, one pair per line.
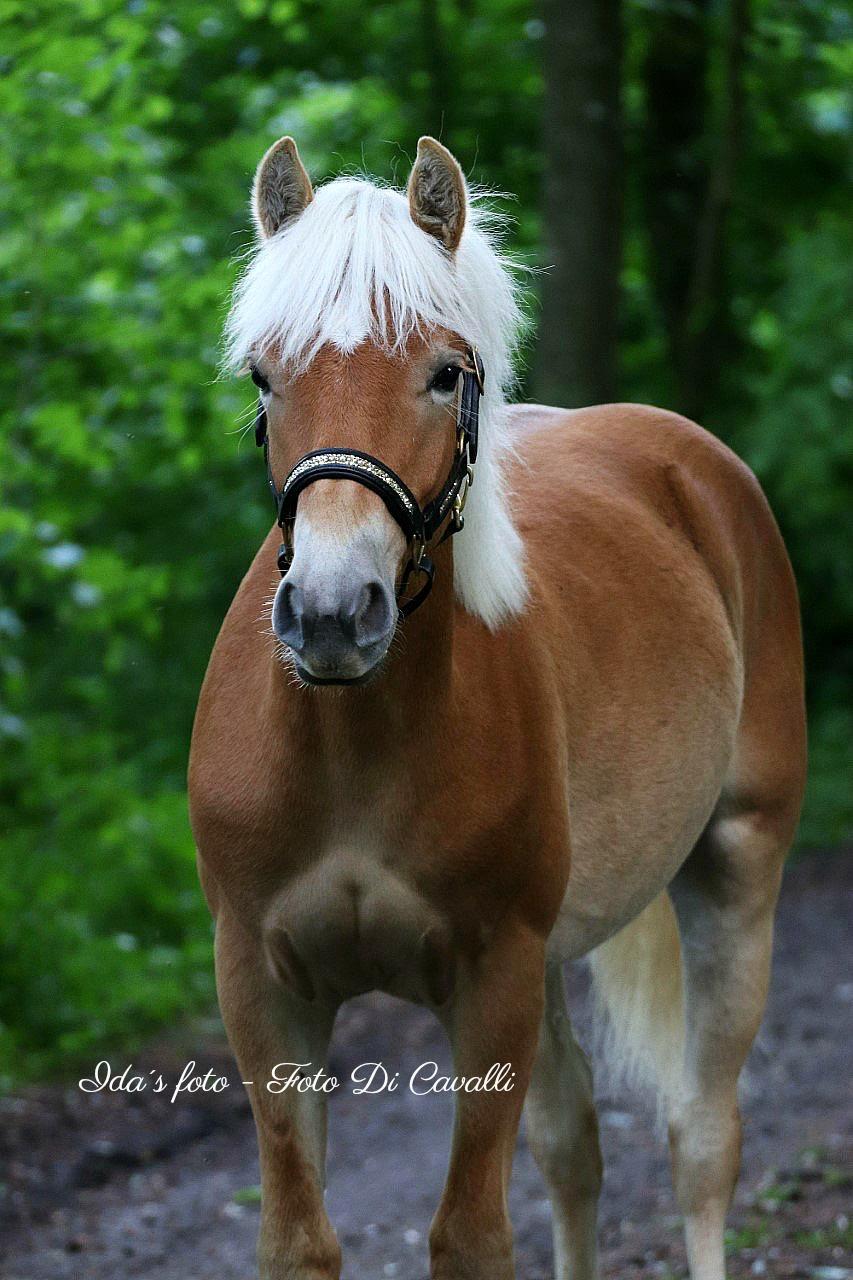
462, 496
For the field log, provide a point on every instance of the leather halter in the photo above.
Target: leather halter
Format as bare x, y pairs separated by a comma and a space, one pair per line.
421, 525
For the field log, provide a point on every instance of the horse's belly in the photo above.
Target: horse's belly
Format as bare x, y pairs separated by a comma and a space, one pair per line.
349, 924
628, 841
612, 880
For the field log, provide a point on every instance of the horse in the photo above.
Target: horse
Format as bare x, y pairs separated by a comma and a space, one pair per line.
528, 687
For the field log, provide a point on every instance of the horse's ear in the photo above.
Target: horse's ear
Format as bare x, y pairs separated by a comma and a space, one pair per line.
281, 189
438, 197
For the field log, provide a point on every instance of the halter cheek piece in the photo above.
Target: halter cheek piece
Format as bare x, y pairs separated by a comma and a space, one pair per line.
421, 525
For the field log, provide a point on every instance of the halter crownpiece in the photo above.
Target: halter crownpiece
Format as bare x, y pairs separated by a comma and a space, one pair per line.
421, 525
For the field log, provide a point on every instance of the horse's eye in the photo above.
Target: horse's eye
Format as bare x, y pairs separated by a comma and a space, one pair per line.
446, 378
259, 379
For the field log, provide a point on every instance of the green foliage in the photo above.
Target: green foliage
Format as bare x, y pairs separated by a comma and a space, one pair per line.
74, 975
130, 502
794, 428
129, 508
799, 439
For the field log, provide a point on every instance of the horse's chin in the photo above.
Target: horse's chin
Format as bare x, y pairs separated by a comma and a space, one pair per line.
338, 682
328, 676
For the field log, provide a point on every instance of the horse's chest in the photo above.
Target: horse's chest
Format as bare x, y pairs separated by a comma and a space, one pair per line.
359, 877
349, 923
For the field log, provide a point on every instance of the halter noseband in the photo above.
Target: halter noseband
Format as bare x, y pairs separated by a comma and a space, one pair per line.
421, 525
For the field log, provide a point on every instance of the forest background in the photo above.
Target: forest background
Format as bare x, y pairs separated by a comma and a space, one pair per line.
680, 167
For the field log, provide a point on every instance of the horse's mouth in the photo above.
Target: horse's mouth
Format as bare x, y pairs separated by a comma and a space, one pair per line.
320, 681
331, 679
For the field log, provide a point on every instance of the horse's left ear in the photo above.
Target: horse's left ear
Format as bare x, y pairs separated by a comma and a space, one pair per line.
282, 188
438, 197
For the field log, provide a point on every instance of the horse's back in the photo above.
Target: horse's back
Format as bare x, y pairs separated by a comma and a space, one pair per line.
632, 456
659, 491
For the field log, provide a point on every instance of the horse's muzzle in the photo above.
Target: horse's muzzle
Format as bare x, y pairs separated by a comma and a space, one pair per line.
334, 641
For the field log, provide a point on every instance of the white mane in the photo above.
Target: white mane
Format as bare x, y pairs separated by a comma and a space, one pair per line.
355, 266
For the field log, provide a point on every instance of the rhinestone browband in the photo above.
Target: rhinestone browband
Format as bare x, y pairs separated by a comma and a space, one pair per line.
357, 463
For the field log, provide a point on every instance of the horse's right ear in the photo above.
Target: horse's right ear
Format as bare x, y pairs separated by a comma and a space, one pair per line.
438, 197
281, 189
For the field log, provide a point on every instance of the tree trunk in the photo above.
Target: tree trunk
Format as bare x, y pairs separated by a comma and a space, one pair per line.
672, 157
583, 155
706, 327
689, 155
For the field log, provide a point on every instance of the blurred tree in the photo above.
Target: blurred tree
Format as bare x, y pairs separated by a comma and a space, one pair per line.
689, 151
699, 359
672, 162
583, 184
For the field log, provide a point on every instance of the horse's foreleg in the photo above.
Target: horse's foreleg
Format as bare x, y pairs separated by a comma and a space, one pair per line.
493, 1018
562, 1131
268, 1026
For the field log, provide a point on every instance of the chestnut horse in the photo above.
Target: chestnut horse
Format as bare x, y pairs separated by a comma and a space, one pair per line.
587, 740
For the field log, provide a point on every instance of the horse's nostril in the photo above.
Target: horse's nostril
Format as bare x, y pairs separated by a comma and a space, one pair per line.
373, 614
287, 615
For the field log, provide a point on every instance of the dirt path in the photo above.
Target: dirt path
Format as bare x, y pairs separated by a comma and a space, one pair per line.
100, 1187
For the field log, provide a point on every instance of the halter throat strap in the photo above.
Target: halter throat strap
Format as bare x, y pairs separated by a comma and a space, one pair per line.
421, 526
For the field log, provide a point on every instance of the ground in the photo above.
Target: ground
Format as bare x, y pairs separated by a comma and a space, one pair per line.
106, 1186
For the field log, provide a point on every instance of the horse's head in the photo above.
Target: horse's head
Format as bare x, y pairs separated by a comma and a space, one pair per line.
336, 606
351, 304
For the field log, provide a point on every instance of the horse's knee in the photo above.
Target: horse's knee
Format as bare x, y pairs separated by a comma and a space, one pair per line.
567, 1152
462, 1250
562, 1125
705, 1145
